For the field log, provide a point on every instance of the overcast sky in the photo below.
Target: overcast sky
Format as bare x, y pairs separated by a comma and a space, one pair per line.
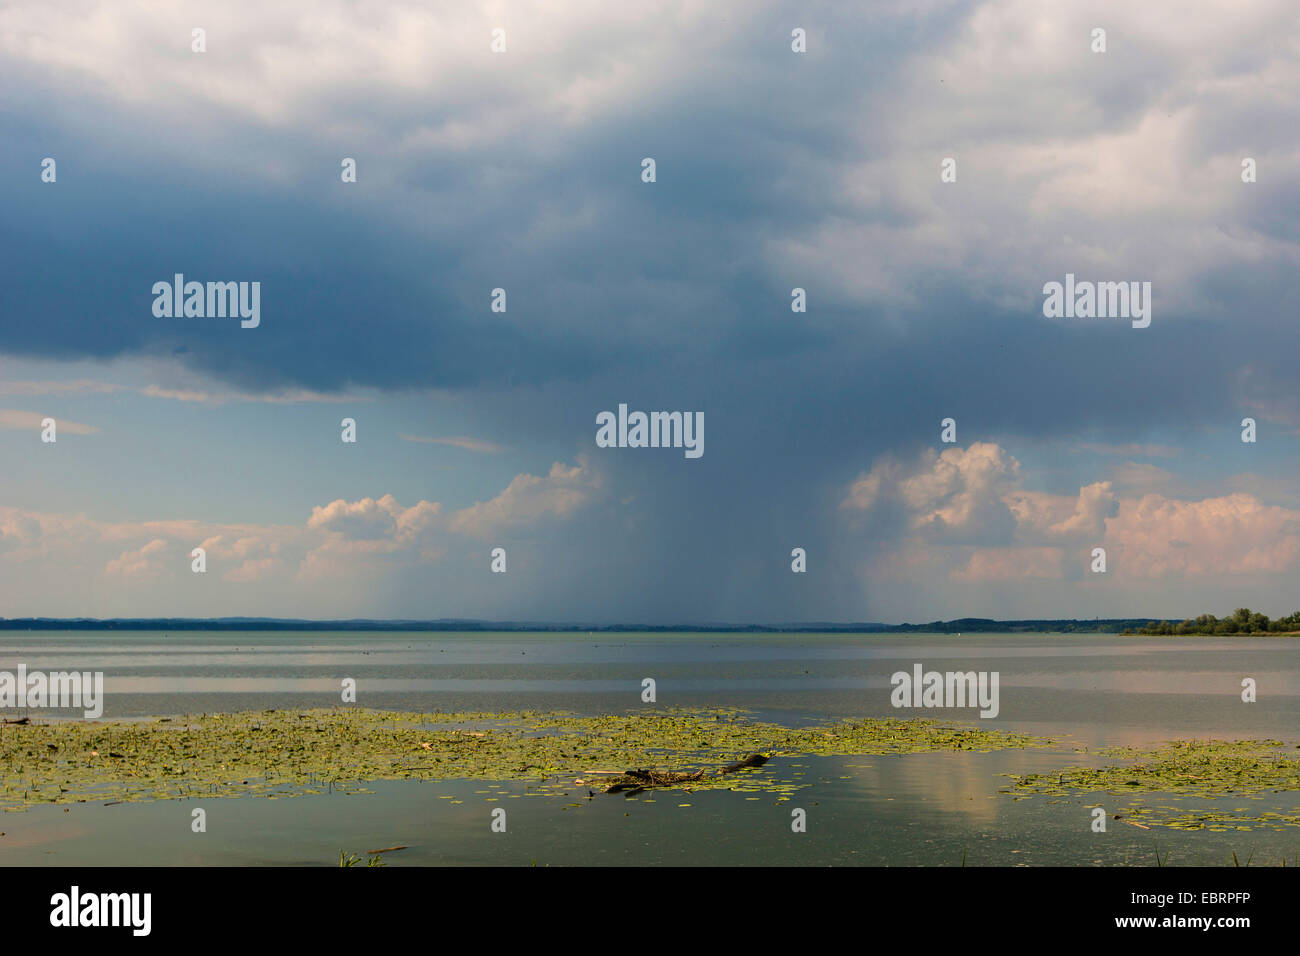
522, 170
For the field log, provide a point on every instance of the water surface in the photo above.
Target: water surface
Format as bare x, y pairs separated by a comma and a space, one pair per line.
928, 809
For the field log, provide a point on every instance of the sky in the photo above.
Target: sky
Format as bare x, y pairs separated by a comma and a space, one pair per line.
522, 169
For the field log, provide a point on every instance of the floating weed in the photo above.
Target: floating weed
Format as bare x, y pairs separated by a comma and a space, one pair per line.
282, 753
1195, 770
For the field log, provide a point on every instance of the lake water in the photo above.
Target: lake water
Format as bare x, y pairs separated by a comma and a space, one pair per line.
921, 809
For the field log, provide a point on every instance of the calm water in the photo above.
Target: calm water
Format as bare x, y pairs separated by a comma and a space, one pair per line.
923, 809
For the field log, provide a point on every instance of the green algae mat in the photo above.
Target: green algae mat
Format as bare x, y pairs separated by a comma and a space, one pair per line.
283, 753
1203, 774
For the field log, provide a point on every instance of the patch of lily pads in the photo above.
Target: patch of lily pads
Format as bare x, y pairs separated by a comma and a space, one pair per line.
1201, 774
286, 753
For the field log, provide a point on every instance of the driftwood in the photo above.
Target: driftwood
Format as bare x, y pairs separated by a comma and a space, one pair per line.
638, 780
635, 781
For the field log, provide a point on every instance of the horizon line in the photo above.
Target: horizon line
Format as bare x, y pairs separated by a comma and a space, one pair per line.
236, 623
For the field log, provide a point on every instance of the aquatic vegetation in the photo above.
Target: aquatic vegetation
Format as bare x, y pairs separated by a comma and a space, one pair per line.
1200, 773
282, 753
351, 859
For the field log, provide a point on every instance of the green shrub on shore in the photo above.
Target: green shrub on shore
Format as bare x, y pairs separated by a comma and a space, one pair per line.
1242, 621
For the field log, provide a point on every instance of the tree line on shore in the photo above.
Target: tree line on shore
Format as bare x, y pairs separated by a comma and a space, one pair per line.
1242, 621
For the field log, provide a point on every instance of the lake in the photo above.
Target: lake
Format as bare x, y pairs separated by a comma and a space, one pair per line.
1085, 691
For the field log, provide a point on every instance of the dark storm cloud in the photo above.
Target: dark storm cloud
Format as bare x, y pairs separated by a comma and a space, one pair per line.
754, 146
774, 171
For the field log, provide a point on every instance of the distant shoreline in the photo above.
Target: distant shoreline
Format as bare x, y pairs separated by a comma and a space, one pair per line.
959, 626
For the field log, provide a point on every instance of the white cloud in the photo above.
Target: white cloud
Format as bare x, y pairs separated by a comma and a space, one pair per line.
469, 444
22, 421
143, 562
955, 495
965, 492
528, 499
339, 540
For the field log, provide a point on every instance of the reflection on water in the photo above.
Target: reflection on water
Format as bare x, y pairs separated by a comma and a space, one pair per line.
1088, 691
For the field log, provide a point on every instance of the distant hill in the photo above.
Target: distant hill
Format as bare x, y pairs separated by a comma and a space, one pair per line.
965, 625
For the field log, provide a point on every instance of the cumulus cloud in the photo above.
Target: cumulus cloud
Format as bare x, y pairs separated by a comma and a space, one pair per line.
1051, 515
339, 539
254, 569
1011, 564
528, 499
141, 562
359, 520
969, 494
952, 496
1157, 537
377, 527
